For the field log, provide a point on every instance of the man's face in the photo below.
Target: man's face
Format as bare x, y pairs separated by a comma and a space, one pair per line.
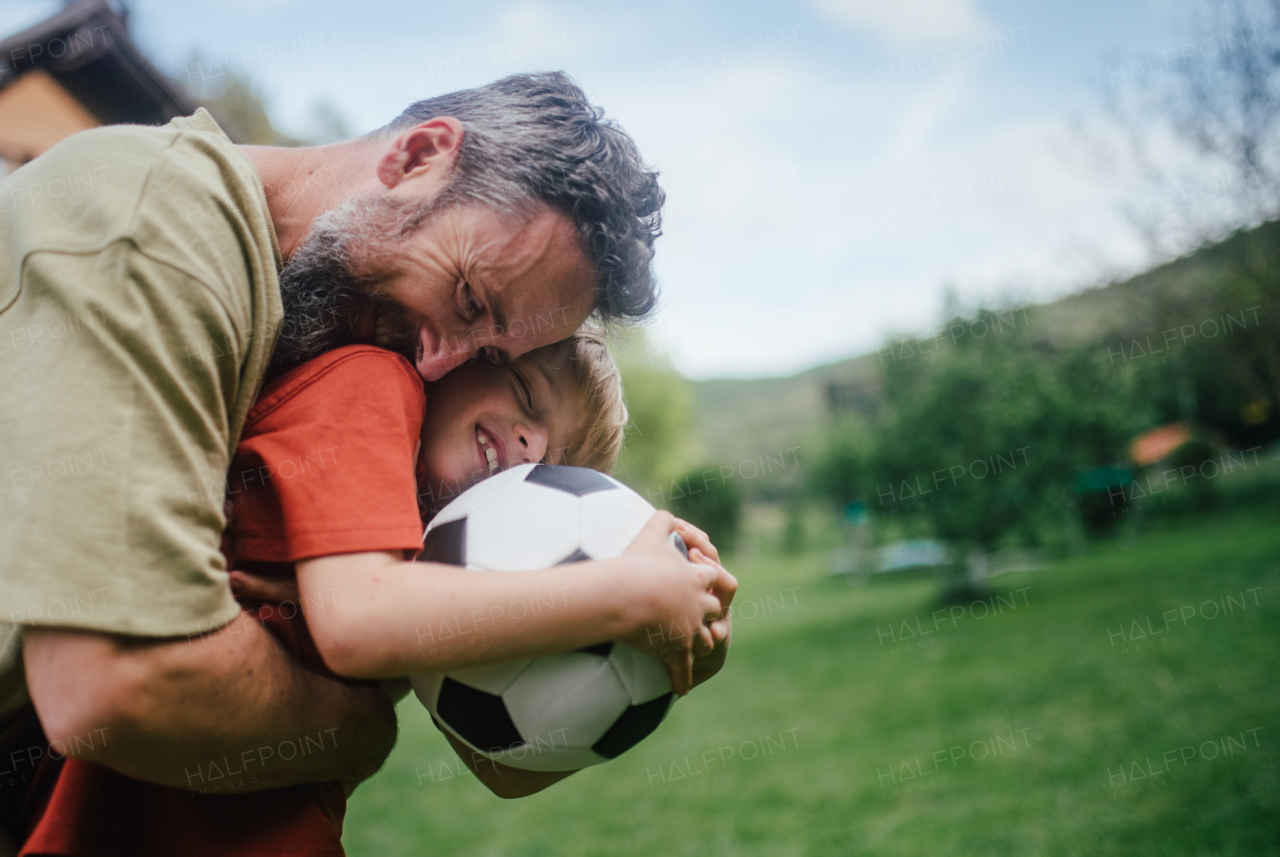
464, 282
476, 284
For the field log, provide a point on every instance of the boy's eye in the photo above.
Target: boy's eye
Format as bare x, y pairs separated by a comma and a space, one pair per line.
524, 388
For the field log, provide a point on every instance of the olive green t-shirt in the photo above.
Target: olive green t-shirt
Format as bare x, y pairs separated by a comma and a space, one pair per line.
139, 304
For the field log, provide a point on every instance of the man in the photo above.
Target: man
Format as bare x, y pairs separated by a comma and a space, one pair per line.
139, 321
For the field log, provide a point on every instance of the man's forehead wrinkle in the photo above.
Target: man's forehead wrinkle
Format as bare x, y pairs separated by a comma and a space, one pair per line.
512, 256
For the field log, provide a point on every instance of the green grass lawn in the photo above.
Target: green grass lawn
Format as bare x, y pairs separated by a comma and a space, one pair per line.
1001, 732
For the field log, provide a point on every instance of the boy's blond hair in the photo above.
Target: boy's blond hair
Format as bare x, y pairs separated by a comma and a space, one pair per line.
596, 384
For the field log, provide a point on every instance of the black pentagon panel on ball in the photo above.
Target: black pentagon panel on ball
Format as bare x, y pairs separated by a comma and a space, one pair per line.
578, 481
576, 556
446, 543
635, 724
601, 649
480, 718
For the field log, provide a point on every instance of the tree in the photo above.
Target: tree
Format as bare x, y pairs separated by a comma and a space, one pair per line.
1202, 127
234, 102
659, 432
709, 502
841, 470
988, 441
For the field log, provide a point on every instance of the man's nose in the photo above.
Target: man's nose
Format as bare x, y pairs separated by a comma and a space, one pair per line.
434, 366
531, 442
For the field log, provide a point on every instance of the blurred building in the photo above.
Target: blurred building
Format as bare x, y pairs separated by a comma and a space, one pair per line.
860, 397
76, 69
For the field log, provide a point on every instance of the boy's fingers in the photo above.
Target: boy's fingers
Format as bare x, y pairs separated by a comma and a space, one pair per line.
660, 526
695, 537
706, 639
680, 665
723, 584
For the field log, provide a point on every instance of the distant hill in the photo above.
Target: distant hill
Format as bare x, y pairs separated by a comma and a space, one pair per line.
742, 419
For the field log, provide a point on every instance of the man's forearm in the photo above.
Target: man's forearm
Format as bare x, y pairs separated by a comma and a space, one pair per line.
230, 705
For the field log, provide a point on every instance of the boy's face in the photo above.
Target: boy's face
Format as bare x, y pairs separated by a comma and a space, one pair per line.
482, 418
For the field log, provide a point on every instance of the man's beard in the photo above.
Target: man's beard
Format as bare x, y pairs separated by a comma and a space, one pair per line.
326, 287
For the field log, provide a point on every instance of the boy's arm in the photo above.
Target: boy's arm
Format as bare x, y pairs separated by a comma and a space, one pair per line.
165, 710
372, 616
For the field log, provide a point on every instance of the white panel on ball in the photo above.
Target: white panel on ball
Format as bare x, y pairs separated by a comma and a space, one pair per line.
570, 700
491, 678
478, 493
523, 529
644, 677
427, 688
611, 520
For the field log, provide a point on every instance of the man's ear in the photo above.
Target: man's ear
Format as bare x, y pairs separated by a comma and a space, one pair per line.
431, 145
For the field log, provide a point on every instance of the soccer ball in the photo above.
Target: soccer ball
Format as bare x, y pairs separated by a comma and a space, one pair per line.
557, 712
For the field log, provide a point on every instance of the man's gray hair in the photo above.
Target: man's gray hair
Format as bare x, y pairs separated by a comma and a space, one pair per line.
535, 137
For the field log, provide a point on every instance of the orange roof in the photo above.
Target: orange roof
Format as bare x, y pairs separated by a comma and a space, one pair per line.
1154, 445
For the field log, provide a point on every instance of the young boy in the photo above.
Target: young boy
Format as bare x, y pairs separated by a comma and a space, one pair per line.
335, 461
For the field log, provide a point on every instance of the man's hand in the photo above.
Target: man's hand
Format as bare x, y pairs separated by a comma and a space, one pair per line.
168, 709
259, 588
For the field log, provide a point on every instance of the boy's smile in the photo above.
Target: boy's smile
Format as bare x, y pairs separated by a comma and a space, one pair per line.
482, 418
493, 453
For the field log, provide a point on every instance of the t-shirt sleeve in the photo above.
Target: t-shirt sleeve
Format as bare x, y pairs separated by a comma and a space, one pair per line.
138, 310
115, 437
327, 465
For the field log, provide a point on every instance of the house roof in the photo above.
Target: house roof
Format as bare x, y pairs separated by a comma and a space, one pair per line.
86, 48
1154, 445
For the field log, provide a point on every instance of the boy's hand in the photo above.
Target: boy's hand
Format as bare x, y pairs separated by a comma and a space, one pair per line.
705, 667
696, 538
676, 597
702, 550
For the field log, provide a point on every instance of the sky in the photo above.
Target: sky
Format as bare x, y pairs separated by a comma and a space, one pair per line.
833, 168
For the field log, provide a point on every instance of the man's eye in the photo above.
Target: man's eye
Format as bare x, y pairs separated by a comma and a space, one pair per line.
470, 306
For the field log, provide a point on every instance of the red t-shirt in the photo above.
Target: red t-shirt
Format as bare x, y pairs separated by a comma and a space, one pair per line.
325, 466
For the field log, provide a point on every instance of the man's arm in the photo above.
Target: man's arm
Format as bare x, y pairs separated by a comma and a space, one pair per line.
185, 713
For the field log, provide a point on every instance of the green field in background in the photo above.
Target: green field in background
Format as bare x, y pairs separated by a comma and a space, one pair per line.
840, 711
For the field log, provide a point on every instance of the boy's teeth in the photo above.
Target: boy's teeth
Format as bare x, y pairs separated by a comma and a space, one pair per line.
490, 454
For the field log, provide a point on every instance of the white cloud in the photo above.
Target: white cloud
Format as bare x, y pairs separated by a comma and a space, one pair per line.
906, 20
